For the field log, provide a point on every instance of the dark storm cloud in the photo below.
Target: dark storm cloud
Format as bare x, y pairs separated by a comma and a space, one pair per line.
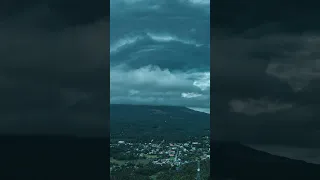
160, 52
265, 73
54, 63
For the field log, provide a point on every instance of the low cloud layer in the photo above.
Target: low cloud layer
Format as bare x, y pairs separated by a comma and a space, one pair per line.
152, 85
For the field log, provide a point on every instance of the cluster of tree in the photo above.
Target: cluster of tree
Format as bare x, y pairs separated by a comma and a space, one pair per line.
125, 156
127, 174
120, 153
186, 172
116, 150
151, 169
165, 172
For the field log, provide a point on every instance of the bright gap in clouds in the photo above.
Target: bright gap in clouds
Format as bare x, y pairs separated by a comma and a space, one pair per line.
204, 110
190, 95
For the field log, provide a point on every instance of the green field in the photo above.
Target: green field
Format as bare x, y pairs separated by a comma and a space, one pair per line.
150, 156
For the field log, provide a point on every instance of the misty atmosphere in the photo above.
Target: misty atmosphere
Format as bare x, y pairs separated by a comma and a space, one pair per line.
159, 89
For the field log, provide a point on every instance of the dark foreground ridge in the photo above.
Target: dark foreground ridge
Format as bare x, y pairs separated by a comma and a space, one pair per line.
238, 162
53, 157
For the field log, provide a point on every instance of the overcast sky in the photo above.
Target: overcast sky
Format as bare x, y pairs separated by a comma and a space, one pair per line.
265, 73
160, 53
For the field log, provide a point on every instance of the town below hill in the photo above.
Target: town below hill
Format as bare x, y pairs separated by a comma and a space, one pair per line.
159, 142
157, 159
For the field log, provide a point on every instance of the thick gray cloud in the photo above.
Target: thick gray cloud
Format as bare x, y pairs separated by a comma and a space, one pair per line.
160, 53
265, 75
143, 85
54, 69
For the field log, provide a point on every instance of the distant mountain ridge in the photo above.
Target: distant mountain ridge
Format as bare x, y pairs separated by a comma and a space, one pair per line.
169, 122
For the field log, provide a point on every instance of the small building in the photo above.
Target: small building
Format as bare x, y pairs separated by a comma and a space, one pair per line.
171, 153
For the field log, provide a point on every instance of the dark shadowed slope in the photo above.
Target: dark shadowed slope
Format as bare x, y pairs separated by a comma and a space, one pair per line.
238, 162
169, 122
48, 157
